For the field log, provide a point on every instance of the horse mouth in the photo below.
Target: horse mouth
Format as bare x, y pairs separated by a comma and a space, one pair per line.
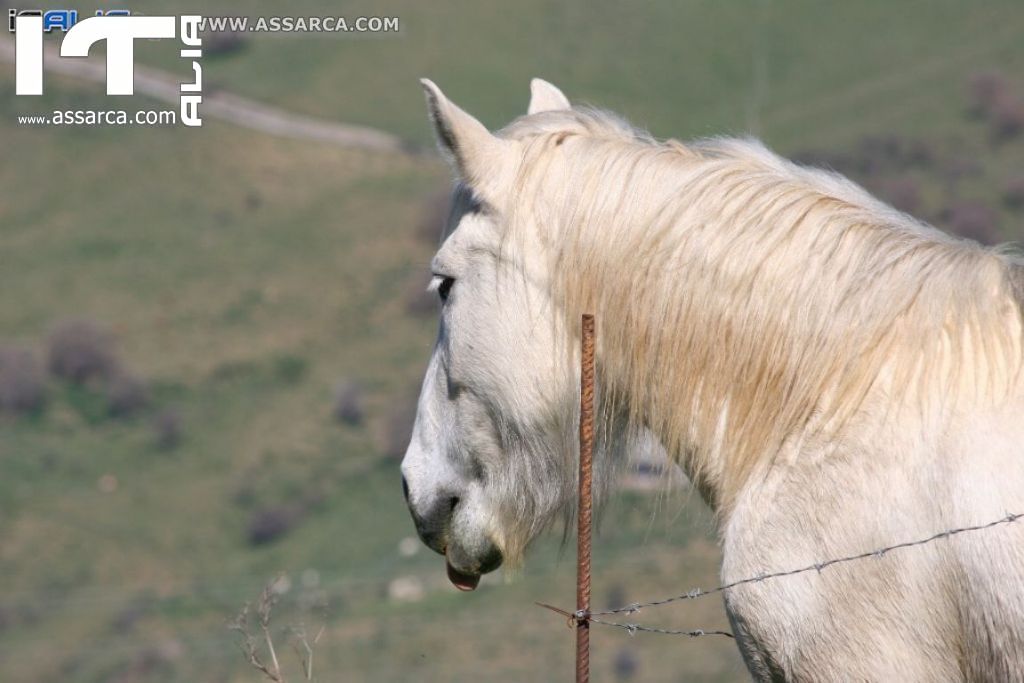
461, 580
468, 579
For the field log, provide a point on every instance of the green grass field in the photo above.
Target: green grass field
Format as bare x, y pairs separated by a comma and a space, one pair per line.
243, 276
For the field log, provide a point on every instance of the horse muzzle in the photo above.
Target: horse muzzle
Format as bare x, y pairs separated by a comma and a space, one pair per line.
447, 527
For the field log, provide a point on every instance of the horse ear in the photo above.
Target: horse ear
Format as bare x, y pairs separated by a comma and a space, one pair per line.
546, 97
478, 156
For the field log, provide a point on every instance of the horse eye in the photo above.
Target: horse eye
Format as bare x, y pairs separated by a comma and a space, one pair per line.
445, 287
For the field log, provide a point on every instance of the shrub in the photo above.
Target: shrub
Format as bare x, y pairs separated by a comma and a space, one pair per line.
126, 395
1007, 119
616, 596
348, 403
222, 42
626, 665
79, 351
953, 170
253, 200
271, 523
22, 389
972, 220
877, 152
128, 616
919, 154
904, 193
1013, 193
891, 151
167, 429
985, 88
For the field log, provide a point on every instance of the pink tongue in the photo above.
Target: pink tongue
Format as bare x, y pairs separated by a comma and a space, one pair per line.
464, 582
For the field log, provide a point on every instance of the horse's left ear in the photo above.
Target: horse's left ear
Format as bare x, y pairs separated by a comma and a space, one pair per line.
481, 159
546, 97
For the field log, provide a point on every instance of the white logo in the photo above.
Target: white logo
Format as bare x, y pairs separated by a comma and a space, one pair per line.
120, 33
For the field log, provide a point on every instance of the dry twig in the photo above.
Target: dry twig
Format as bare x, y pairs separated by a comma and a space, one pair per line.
250, 644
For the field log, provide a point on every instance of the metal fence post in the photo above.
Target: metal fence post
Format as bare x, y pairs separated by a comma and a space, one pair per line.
584, 514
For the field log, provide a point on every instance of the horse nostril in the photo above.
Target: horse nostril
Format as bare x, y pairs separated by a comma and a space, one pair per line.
453, 502
405, 489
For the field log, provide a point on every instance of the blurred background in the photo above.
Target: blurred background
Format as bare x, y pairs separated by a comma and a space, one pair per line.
211, 340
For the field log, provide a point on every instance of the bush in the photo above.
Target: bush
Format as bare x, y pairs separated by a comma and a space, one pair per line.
1013, 193
126, 395
878, 152
348, 403
616, 596
985, 88
125, 619
903, 193
253, 200
919, 154
626, 665
892, 151
1007, 119
222, 42
972, 220
271, 523
22, 389
955, 169
167, 429
79, 351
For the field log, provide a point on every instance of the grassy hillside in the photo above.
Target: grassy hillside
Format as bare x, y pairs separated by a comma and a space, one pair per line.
242, 277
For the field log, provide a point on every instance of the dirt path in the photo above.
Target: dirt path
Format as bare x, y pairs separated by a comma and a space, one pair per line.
225, 106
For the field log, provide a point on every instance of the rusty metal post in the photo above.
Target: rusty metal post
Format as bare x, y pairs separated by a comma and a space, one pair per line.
584, 515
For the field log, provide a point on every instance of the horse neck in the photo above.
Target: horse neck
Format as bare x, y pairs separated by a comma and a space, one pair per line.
730, 349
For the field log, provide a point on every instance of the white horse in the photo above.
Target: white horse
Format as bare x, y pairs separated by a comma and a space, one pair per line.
832, 375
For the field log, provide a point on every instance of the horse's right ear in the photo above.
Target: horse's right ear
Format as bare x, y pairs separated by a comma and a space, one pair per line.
545, 96
481, 159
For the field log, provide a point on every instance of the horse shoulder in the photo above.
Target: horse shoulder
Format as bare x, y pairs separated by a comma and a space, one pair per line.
948, 597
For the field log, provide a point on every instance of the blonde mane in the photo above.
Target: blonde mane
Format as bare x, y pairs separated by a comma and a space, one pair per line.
745, 303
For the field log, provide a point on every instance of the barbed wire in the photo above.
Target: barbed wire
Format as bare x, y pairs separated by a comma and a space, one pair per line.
633, 608
633, 629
